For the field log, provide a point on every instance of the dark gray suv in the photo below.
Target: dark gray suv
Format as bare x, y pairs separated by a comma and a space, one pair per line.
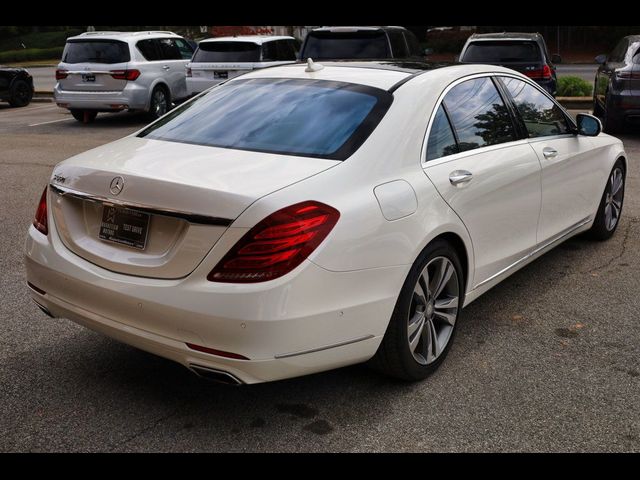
616, 90
524, 52
371, 43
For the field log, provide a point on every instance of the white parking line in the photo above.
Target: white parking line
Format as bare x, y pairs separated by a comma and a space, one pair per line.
50, 121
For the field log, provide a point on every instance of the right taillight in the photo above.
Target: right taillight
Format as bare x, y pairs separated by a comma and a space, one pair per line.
277, 244
61, 74
189, 74
130, 75
543, 73
40, 220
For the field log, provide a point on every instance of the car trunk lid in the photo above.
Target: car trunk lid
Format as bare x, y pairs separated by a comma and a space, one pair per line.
191, 194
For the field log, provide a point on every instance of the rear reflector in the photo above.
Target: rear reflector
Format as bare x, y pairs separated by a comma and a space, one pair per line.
61, 74
543, 73
277, 244
40, 220
213, 351
125, 74
33, 287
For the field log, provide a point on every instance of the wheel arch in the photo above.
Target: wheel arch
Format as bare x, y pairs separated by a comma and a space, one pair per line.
459, 246
161, 84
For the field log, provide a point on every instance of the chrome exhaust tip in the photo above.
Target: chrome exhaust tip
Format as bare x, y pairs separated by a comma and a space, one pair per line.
219, 376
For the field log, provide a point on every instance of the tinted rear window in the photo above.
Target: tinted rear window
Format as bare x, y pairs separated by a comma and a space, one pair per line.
502, 52
315, 118
227, 52
343, 45
96, 51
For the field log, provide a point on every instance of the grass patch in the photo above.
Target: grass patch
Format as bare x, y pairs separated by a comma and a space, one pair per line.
573, 87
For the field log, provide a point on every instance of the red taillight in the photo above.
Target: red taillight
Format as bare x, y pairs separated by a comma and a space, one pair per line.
125, 74
277, 244
189, 74
543, 73
40, 220
628, 75
61, 74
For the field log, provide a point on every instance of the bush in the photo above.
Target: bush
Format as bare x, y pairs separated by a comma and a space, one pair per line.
31, 54
573, 87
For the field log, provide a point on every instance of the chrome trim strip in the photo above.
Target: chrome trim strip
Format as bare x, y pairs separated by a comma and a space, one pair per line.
326, 347
167, 212
557, 238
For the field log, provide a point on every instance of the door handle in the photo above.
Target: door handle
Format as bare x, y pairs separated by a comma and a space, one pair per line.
166, 67
460, 176
549, 152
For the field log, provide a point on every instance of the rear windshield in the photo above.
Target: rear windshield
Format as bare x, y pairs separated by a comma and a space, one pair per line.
96, 51
313, 118
502, 52
345, 45
227, 52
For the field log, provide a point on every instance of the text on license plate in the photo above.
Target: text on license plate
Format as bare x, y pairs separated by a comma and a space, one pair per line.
125, 226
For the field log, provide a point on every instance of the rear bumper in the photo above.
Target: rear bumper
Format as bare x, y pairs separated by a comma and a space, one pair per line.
132, 97
308, 321
626, 104
197, 85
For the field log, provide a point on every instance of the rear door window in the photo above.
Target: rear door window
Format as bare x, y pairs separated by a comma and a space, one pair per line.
315, 118
347, 45
540, 114
478, 114
186, 52
96, 51
502, 51
227, 52
270, 52
441, 142
169, 49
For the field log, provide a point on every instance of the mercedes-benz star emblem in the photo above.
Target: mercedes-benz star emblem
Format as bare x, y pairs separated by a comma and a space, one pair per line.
116, 186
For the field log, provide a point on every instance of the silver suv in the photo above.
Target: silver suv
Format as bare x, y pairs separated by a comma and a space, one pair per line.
115, 71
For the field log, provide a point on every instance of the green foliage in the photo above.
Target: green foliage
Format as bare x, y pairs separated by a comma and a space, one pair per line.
573, 87
31, 54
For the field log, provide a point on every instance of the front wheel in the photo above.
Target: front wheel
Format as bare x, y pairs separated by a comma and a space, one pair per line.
423, 322
610, 208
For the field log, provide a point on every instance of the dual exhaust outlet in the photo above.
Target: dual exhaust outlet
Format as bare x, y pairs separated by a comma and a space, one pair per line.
219, 376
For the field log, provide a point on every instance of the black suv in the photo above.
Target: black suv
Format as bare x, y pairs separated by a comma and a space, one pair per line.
371, 43
616, 92
525, 52
16, 86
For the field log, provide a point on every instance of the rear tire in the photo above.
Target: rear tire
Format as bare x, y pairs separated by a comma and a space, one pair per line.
20, 94
159, 104
424, 320
610, 208
611, 123
84, 116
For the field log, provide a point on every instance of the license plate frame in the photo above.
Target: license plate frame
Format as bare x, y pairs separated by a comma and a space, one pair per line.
124, 226
221, 74
88, 77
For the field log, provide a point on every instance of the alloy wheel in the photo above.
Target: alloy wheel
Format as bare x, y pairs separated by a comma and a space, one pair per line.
613, 199
433, 310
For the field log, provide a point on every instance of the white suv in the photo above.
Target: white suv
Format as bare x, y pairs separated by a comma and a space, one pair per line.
114, 71
222, 58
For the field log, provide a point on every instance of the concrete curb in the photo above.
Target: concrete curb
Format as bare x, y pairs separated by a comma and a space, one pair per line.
576, 103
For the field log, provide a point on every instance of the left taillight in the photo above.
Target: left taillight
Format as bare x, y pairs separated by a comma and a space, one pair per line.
543, 73
130, 75
40, 220
61, 74
277, 244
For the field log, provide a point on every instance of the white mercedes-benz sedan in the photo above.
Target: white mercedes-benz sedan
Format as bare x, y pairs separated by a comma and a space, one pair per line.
311, 216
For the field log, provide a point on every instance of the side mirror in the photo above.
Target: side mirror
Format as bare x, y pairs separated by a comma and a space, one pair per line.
428, 51
555, 58
601, 59
588, 125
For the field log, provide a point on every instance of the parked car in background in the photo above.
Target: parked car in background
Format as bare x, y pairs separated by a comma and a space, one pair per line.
616, 89
526, 53
312, 216
343, 43
219, 59
16, 86
115, 71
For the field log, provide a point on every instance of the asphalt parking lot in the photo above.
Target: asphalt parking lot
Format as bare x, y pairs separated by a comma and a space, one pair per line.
546, 361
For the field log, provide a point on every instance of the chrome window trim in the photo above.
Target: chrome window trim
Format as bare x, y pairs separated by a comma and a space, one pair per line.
166, 212
425, 140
